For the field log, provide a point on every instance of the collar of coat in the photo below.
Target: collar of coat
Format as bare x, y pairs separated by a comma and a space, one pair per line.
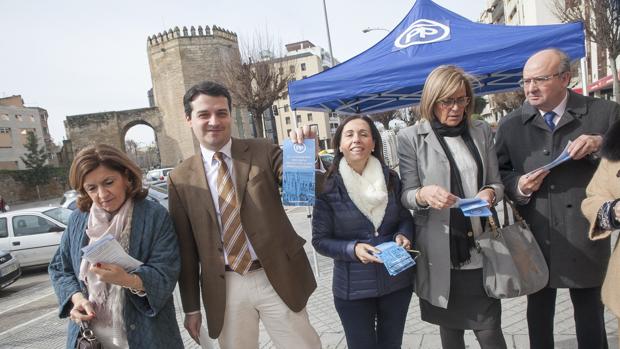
576, 106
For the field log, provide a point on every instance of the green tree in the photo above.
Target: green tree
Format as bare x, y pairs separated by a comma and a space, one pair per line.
38, 173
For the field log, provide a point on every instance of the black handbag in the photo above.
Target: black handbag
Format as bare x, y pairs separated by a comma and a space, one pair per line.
87, 338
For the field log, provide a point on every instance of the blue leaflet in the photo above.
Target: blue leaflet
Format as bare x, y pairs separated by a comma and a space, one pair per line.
298, 177
474, 207
395, 258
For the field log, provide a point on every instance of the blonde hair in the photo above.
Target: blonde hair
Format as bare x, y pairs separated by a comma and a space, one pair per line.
442, 83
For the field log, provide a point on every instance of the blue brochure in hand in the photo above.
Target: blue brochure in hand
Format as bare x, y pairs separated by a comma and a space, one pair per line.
298, 177
474, 207
395, 258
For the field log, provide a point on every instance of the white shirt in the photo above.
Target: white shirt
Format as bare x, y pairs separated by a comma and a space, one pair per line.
468, 170
212, 166
559, 110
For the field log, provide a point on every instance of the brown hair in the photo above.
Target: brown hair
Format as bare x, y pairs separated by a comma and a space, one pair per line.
442, 83
91, 157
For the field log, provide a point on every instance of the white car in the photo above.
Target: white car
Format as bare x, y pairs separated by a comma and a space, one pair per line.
9, 269
157, 176
32, 235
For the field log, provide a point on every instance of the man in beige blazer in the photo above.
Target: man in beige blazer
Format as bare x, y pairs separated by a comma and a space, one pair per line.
277, 284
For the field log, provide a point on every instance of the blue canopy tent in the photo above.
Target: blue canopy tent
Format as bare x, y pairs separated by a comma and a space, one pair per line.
391, 74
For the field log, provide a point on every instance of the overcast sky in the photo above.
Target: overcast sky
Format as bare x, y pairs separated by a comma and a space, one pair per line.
79, 57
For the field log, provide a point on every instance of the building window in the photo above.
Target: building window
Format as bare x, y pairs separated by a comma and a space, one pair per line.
18, 117
298, 118
309, 116
286, 108
303, 67
6, 141
288, 120
31, 118
291, 69
288, 132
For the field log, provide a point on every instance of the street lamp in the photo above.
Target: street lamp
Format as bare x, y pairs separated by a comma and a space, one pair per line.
369, 29
329, 39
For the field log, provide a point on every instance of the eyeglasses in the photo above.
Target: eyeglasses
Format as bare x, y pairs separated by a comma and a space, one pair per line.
450, 102
538, 80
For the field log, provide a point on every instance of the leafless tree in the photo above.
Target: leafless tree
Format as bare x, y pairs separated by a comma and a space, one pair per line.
384, 117
256, 78
601, 20
507, 101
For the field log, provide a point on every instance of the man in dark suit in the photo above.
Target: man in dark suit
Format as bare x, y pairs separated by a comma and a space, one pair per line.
530, 137
237, 245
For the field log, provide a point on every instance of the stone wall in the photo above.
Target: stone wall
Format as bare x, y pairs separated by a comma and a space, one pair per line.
15, 192
111, 127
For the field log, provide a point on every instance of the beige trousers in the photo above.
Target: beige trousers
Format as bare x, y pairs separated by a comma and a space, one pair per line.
250, 298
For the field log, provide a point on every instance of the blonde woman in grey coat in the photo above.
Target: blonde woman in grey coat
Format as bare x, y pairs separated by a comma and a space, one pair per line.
445, 156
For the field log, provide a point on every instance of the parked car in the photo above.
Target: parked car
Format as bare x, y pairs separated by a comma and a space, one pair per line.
32, 235
69, 199
159, 193
157, 176
10, 269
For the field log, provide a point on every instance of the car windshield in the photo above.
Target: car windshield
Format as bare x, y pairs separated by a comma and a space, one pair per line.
60, 214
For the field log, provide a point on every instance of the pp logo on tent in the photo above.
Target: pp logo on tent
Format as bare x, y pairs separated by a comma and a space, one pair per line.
423, 31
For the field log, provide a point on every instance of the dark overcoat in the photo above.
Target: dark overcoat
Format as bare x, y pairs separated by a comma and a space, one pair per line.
524, 142
337, 225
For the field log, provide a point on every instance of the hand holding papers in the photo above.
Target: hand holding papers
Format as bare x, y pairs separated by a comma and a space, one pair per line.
298, 178
395, 258
565, 156
474, 207
108, 250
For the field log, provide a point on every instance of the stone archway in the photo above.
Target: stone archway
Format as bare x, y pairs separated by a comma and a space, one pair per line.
111, 127
143, 153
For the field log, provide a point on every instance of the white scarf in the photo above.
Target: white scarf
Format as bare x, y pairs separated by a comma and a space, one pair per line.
107, 299
368, 191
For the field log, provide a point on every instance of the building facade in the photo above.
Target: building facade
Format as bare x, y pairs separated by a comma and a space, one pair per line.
303, 59
16, 122
541, 12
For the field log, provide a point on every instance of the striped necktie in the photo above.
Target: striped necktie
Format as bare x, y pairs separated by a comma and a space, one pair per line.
549, 119
235, 240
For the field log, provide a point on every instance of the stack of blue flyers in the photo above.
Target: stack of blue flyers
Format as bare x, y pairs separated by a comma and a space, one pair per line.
394, 257
475, 207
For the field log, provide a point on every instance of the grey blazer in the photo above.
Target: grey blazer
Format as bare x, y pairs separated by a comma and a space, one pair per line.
423, 162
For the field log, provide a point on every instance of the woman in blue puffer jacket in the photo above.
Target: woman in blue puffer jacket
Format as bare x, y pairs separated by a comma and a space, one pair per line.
358, 210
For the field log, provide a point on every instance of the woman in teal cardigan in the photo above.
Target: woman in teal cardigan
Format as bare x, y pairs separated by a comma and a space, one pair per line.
125, 309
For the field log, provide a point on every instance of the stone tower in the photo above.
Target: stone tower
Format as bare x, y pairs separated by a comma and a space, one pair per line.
179, 59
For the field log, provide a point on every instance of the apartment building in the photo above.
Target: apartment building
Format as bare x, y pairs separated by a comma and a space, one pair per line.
541, 12
16, 122
303, 59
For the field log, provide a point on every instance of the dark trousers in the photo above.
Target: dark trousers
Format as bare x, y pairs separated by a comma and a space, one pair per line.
375, 323
589, 320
